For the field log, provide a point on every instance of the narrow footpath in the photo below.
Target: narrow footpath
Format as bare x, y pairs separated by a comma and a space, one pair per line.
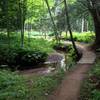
70, 87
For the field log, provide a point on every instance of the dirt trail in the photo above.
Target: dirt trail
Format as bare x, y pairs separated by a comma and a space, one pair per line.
70, 87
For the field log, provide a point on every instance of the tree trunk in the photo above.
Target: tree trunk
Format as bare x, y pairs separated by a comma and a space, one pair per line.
82, 27
28, 34
8, 35
87, 25
22, 23
22, 34
7, 22
97, 28
54, 26
70, 31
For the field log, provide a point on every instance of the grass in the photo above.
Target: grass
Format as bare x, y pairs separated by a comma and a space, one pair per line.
40, 43
91, 86
34, 43
12, 86
36, 33
81, 37
17, 87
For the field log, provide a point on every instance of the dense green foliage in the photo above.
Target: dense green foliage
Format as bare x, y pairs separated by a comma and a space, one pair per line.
16, 87
21, 58
12, 86
86, 37
62, 47
10, 12
34, 43
70, 55
33, 53
91, 86
20, 19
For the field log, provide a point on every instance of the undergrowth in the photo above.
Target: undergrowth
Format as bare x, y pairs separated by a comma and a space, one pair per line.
91, 86
17, 87
86, 37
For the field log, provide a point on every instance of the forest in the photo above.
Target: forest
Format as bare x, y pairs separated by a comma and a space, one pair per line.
49, 49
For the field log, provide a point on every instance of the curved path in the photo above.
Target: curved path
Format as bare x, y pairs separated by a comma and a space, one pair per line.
70, 87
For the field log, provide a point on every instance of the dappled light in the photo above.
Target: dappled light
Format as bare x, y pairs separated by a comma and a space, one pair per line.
48, 48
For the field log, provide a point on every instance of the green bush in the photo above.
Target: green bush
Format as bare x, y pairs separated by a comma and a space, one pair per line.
69, 50
12, 86
30, 58
16, 87
81, 37
91, 87
62, 47
34, 43
72, 54
22, 57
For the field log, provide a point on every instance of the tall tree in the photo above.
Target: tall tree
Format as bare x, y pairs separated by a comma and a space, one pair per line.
7, 16
12, 16
93, 6
54, 26
69, 28
22, 7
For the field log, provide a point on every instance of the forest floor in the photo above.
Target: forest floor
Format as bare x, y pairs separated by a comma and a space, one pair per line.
72, 82
70, 87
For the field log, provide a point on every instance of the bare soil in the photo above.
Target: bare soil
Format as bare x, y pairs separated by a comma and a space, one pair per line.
70, 87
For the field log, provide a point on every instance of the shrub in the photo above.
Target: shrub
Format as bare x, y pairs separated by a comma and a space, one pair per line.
12, 86
30, 58
22, 57
61, 47
91, 87
82, 37
17, 87
69, 49
72, 54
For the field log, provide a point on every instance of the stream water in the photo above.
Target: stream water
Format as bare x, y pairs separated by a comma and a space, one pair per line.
56, 60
